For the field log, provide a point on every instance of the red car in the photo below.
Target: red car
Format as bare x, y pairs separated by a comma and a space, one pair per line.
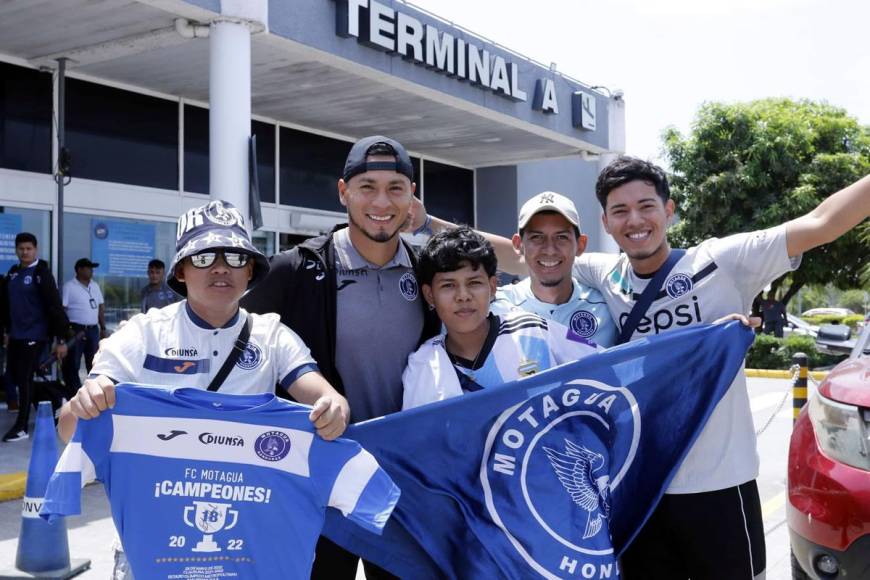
828, 508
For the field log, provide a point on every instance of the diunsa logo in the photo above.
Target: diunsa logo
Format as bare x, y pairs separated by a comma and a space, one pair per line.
546, 457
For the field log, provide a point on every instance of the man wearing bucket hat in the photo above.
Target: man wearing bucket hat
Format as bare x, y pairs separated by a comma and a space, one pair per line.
206, 340
549, 238
342, 289
187, 343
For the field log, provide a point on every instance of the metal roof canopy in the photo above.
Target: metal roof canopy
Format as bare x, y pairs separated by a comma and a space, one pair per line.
135, 43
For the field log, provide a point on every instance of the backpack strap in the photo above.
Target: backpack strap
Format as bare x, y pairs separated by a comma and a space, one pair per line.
238, 348
649, 294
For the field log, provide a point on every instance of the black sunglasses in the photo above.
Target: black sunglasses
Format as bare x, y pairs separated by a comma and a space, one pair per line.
232, 259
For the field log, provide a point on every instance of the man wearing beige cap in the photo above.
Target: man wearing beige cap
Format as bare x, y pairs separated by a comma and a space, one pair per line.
549, 239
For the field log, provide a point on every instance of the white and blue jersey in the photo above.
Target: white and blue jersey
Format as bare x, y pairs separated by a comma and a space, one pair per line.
585, 312
173, 346
519, 344
209, 485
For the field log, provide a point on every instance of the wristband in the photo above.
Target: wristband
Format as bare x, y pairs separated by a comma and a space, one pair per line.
426, 228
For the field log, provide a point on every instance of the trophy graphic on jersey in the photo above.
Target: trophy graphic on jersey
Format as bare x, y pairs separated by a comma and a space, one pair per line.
209, 518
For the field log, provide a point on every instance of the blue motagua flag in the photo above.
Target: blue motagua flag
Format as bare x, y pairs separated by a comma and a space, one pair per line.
549, 476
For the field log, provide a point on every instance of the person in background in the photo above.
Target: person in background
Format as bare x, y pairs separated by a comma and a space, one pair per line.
773, 314
157, 293
85, 308
32, 317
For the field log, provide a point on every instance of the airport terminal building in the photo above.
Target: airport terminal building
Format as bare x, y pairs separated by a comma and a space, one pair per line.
487, 127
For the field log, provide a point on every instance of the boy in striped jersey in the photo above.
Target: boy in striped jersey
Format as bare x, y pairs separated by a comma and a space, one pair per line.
479, 350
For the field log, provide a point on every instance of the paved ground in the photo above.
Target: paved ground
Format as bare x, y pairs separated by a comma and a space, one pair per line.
91, 535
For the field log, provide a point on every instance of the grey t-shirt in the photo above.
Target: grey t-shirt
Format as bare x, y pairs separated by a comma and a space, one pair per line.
158, 297
379, 323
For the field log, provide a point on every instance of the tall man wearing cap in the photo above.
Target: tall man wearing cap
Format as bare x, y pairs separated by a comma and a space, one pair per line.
85, 308
32, 315
191, 343
341, 290
549, 239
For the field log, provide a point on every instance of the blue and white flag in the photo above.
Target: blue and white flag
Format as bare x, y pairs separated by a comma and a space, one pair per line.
549, 476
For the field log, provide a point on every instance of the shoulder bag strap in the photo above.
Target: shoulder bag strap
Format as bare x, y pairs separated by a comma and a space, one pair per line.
648, 296
238, 348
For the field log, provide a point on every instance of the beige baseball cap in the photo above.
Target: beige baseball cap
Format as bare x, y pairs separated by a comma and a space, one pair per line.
549, 201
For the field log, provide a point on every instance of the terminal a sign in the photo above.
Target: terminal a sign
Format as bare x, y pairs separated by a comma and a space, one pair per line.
384, 28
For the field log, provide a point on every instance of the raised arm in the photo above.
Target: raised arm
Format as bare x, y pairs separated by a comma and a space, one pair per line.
832, 218
509, 260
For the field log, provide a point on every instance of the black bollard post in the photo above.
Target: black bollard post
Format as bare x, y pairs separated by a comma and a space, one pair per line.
799, 388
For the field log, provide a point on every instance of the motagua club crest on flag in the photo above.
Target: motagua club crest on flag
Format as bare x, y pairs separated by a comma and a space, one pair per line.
559, 523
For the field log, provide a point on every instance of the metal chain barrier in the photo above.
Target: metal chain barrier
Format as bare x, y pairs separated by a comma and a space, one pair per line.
795, 369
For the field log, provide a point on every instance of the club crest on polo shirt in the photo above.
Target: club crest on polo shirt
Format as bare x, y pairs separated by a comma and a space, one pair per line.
584, 323
408, 286
677, 285
251, 357
558, 519
28, 279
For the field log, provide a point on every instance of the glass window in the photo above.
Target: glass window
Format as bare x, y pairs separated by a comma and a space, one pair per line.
123, 248
265, 134
289, 241
264, 241
120, 136
14, 220
310, 168
449, 192
25, 119
195, 149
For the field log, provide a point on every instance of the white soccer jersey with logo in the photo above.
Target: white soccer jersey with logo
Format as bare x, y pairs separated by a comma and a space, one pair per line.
716, 278
519, 344
172, 346
585, 312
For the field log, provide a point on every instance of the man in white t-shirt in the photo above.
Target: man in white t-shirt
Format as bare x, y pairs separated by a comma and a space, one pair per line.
709, 523
549, 238
83, 302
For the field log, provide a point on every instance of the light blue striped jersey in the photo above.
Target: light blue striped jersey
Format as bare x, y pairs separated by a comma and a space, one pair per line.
519, 344
213, 485
585, 312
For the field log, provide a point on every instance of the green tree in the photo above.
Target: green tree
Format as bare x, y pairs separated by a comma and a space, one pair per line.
853, 299
754, 165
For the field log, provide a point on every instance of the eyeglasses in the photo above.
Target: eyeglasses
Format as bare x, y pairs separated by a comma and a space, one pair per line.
232, 259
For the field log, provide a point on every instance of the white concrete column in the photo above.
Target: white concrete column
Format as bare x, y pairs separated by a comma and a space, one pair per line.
230, 111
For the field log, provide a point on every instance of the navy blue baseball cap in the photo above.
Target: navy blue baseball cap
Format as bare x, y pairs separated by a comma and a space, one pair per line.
217, 225
357, 160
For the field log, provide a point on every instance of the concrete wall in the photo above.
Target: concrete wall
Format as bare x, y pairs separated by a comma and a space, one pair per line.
313, 23
573, 178
497, 207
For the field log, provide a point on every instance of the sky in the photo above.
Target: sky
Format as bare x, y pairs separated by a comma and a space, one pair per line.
671, 56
